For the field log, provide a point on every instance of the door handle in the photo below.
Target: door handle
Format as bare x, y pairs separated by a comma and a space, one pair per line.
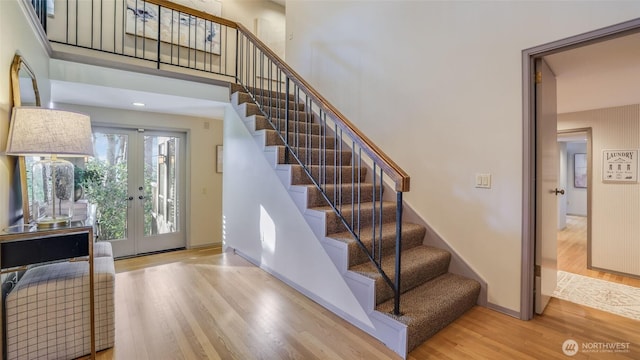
558, 191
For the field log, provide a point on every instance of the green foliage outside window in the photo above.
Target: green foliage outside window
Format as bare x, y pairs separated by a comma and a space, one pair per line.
106, 186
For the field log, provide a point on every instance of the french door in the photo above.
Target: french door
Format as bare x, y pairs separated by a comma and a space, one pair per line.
136, 180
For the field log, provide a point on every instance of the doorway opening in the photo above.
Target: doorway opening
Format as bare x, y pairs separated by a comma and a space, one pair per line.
574, 220
531, 161
578, 281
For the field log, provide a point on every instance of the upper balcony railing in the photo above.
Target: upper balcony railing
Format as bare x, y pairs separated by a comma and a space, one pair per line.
164, 34
174, 37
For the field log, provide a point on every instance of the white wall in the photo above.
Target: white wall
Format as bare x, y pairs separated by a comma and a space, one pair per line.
16, 34
615, 207
444, 77
204, 185
576, 197
270, 16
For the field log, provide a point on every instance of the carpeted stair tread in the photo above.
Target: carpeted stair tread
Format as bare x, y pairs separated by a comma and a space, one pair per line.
274, 112
433, 305
362, 215
261, 123
330, 174
419, 264
269, 101
412, 235
327, 156
314, 141
263, 92
346, 193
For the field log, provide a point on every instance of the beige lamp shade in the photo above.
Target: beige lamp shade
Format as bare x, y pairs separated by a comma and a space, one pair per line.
36, 131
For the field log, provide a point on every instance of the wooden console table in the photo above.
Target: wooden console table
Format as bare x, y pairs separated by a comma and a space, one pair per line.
22, 245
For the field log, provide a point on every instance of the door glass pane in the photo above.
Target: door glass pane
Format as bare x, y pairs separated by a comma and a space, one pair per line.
105, 184
161, 215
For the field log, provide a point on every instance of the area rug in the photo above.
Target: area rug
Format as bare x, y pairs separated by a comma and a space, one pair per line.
612, 297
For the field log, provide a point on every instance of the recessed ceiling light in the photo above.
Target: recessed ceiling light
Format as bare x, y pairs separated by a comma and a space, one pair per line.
138, 104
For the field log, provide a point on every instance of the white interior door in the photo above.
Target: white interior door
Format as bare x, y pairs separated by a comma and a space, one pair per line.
138, 182
547, 191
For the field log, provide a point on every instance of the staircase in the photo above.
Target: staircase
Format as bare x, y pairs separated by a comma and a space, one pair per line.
431, 297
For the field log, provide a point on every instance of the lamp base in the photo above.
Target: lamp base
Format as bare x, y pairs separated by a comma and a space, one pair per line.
50, 222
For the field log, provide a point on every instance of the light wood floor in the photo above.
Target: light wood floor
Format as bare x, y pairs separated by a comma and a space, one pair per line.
200, 304
572, 253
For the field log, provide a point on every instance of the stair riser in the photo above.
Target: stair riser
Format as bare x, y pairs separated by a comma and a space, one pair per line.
301, 140
329, 174
363, 218
316, 157
347, 194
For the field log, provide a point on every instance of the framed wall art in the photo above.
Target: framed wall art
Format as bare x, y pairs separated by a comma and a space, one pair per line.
620, 166
580, 170
144, 18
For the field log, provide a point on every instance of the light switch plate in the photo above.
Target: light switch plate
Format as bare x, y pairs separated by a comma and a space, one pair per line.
483, 181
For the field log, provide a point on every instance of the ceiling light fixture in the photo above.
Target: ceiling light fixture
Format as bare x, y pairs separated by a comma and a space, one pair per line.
138, 104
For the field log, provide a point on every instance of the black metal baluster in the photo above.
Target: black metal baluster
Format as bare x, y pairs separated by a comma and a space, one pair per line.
286, 121
66, 38
380, 217
396, 302
158, 41
92, 22
238, 55
76, 23
373, 215
101, 17
359, 190
124, 25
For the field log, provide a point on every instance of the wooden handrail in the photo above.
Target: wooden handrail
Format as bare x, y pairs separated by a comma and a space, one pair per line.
397, 174
400, 178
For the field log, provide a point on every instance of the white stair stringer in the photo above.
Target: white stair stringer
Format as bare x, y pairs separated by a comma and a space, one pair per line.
387, 330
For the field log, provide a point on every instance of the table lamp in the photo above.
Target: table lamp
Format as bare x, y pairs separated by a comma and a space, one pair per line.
49, 133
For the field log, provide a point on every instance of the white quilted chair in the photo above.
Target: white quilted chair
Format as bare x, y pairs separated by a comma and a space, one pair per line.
47, 313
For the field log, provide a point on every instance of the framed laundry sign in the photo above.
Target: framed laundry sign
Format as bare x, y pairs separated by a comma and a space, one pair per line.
620, 166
